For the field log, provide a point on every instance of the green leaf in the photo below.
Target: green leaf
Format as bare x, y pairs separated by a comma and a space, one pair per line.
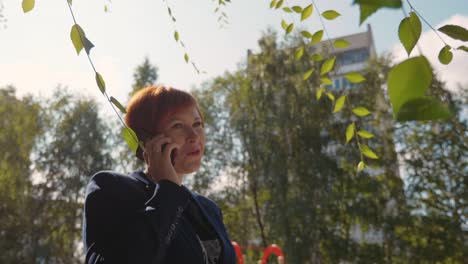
306, 12
327, 66
465, 48
290, 28
284, 25
279, 4
176, 36
355, 77
408, 80
297, 9
308, 74
361, 165
287, 9
76, 38
381, 3
423, 108
319, 93
445, 55
349, 132
366, 11
79, 39
131, 138
330, 14
361, 111
331, 96
326, 81
272, 3
299, 53
369, 7
365, 134
409, 31
28, 5
317, 37
455, 32
306, 34
316, 57
118, 104
186, 58
341, 43
366, 151
100, 82
339, 103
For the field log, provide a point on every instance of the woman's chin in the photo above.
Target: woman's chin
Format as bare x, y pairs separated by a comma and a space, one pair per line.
191, 167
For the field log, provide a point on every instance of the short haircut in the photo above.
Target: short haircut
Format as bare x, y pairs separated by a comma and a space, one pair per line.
149, 106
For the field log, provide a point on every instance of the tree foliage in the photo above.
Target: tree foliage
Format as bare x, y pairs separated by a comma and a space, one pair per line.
71, 151
51, 149
20, 127
292, 170
435, 160
145, 74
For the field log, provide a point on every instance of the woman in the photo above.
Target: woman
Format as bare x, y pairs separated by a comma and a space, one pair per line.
149, 216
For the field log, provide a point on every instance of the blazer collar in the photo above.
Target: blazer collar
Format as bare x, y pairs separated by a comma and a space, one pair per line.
141, 176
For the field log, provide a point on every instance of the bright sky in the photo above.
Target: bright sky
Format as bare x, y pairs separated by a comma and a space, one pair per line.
36, 53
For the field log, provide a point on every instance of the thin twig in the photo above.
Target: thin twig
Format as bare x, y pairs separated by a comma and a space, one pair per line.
179, 40
425, 21
95, 72
323, 25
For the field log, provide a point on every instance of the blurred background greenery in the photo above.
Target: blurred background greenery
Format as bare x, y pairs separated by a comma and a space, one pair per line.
276, 162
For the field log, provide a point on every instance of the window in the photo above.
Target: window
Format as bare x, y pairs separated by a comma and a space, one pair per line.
345, 83
354, 56
337, 84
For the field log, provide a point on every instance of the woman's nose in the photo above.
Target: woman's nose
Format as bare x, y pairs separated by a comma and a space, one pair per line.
192, 135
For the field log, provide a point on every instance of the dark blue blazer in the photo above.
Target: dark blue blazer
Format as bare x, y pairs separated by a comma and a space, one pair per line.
129, 219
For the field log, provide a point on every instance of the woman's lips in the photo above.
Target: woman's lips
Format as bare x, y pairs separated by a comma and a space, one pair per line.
194, 153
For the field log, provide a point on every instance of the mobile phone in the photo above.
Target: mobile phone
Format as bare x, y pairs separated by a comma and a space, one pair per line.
172, 153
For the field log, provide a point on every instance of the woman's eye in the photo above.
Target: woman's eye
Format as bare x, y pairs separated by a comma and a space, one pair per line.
197, 124
178, 125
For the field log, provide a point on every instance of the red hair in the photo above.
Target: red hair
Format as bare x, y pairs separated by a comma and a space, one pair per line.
151, 105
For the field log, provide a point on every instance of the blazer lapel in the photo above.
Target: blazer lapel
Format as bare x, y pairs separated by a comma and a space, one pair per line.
214, 224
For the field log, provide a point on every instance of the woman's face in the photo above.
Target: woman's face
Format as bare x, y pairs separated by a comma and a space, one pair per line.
185, 128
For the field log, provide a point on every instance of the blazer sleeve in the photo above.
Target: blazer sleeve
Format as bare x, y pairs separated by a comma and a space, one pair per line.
102, 219
118, 229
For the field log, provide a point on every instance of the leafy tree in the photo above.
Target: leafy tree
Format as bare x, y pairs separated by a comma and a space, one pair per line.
435, 160
145, 74
289, 154
20, 127
73, 148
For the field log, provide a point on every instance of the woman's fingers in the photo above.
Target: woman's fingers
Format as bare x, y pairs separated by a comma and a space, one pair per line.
154, 140
158, 157
154, 148
169, 148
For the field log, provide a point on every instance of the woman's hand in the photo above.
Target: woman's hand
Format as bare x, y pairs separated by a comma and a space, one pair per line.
158, 159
